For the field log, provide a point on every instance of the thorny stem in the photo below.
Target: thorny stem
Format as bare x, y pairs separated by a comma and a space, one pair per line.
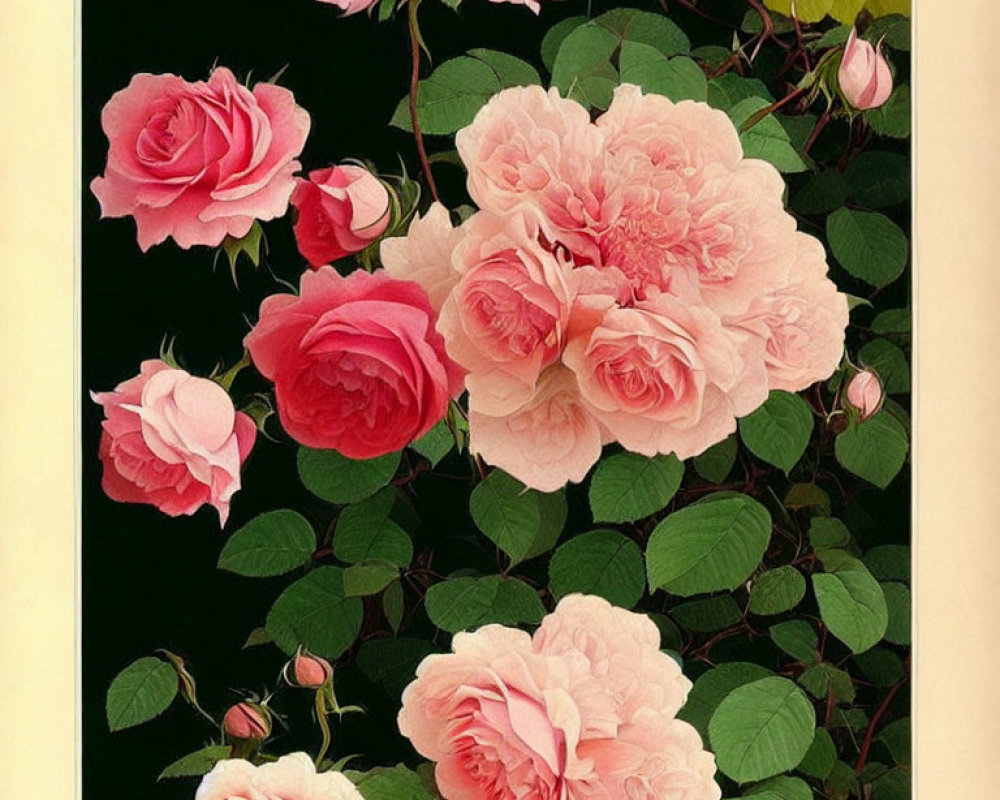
414, 80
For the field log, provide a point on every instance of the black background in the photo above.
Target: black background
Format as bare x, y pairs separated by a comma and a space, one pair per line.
150, 581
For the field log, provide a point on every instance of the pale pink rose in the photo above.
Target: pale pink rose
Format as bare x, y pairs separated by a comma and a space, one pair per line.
567, 713
864, 75
173, 440
424, 255
659, 377
550, 440
800, 323
865, 394
199, 161
351, 6
532, 4
532, 149
291, 777
340, 210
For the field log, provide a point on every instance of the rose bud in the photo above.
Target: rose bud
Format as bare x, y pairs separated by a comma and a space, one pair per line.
341, 210
865, 395
864, 75
247, 721
350, 6
308, 671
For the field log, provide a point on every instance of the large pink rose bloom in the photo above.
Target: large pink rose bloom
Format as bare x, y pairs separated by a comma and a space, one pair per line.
291, 777
199, 161
173, 441
587, 707
357, 364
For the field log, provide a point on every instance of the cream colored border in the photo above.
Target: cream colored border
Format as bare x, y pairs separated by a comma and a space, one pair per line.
958, 320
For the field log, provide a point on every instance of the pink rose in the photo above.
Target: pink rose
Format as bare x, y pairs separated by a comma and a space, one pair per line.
585, 708
356, 362
864, 75
341, 210
173, 441
291, 777
865, 394
351, 6
199, 161
424, 255
532, 4
247, 721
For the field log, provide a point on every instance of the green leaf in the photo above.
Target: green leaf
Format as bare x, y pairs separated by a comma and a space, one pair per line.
893, 321
362, 580
629, 486
807, 495
819, 679
450, 96
889, 562
710, 614
256, 638
678, 78
670, 635
874, 449
554, 38
582, 70
436, 443
880, 666
393, 605
754, 23
655, 30
894, 785
524, 523
729, 89
889, 362
892, 118
783, 787
805, 10
604, 563
716, 463
338, 479
391, 663
868, 245
140, 692
765, 139
708, 546
896, 736
712, 55
271, 544
712, 687
797, 638
510, 70
316, 613
852, 606
876, 179
823, 193
391, 783
842, 781
365, 532
846, 11
249, 245
778, 432
897, 601
893, 30
762, 729
466, 603
828, 532
777, 590
820, 757
198, 763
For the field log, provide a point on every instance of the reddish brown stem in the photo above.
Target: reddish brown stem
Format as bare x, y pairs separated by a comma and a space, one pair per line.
768, 32
414, 80
866, 746
821, 123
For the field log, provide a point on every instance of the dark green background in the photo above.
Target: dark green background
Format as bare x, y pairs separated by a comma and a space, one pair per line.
150, 581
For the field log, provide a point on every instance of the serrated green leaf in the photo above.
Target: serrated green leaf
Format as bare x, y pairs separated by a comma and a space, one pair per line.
467, 603
892, 30
643, 27
727, 90
677, 78
894, 321
510, 70
582, 70
823, 193
819, 679
893, 118
140, 692
362, 580
272, 544
820, 757
717, 462
782, 787
828, 532
889, 362
868, 245
852, 606
603, 563
436, 443
316, 613
630, 486
198, 763
392, 663
779, 430
391, 783
889, 562
708, 615
876, 179
874, 449
797, 638
896, 736
765, 139
880, 666
365, 532
341, 480
777, 590
522, 522
712, 687
393, 605
450, 96
555, 36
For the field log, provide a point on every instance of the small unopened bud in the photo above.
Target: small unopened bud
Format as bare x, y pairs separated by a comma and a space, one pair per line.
864, 75
308, 671
247, 721
865, 395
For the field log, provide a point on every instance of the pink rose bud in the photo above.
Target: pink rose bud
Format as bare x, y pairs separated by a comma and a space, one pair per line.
341, 210
864, 75
350, 6
247, 721
865, 395
309, 671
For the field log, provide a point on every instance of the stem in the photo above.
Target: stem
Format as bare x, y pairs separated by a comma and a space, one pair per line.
874, 723
414, 80
324, 724
824, 118
768, 32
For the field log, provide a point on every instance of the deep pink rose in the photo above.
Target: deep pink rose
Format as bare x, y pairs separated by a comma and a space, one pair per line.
351, 6
291, 777
864, 75
357, 364
585, 708
341, 210
173, 441
199, 161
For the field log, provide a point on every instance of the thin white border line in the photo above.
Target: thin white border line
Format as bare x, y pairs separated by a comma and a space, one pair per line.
78, 388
